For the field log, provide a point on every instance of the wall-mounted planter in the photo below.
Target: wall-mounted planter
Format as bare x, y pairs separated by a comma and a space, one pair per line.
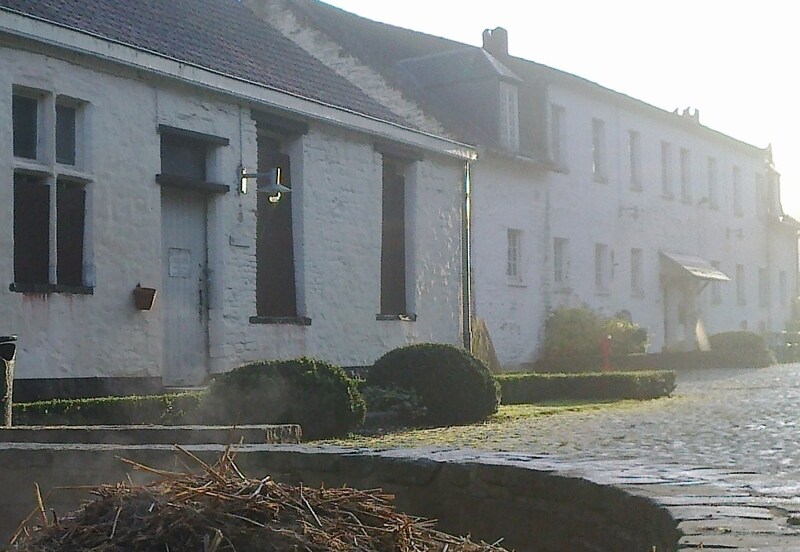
144, 297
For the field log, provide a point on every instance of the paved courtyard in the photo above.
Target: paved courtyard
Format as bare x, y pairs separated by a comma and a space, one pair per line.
723, 454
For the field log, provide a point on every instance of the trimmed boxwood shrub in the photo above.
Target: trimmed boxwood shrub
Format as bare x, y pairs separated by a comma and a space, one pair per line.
134, 410
317, 395
741, 349
453, 386
533, 388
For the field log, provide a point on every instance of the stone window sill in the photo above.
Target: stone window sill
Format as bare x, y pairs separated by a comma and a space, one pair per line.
281, 320
51, 288
396, 317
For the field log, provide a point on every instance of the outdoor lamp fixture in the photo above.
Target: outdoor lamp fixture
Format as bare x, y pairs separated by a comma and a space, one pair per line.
273, 188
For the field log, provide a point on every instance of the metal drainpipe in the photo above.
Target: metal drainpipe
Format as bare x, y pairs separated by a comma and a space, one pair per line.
466, 262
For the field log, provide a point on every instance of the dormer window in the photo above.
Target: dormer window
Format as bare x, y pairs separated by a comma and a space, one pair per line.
509, 117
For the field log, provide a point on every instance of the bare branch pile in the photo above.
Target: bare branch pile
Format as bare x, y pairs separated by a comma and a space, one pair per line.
221, 510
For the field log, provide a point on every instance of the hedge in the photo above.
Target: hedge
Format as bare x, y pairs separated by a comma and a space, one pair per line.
315, 394
134, 410
533, 388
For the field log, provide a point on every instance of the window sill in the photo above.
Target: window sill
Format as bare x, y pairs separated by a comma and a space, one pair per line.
561, 169
600, 179
517, 284
562, 289
668, 197
396, 317
51, 288
281, 320
31, 167
69, 172
603, 292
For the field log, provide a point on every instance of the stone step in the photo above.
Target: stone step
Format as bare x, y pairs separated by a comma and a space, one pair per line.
154, 434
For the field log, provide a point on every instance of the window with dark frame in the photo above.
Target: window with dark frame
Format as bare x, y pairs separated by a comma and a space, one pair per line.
393, 239
31, 230
25, 115
65, 134
276, 291
49, 210
70, 224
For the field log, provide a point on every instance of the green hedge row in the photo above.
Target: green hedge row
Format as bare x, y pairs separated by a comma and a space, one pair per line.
185, 408
153, 409
533, 388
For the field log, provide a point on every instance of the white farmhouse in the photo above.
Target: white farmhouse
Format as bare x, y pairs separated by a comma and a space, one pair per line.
581, 195
146, 142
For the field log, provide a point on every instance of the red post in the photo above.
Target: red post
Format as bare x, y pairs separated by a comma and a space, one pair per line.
605, 350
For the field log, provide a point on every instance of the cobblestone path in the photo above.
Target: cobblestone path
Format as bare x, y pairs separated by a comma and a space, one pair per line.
743, 419
723, 453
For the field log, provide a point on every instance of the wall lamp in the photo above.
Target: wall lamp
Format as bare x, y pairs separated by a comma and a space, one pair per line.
273, 187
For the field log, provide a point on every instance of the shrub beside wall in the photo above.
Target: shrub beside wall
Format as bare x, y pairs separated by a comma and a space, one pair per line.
453, 386
533, 388
317, 395
573, 336
741, 349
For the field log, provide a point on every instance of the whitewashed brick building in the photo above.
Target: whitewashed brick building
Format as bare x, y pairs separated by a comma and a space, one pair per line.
128, 127
581, 195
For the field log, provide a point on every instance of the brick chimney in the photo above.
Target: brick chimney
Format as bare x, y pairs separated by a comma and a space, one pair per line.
495, 41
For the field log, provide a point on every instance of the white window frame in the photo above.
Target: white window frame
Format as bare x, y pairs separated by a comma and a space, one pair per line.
763, 288
713, 187
686, 175
635, 159
509, 116
557, 136
736, 175
599, 170
741, 290
514, 255
666, 170
45, 168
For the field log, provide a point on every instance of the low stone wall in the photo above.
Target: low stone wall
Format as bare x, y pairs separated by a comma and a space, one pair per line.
531, 510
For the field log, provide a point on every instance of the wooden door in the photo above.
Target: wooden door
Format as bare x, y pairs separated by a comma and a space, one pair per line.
184, 257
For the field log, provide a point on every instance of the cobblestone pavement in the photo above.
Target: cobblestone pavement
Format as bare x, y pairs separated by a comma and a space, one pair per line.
748, 420
722, 453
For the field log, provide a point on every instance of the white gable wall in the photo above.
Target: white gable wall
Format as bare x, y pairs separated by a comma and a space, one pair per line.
509, 195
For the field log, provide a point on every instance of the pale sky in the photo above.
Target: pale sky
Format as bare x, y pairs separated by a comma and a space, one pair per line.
733, 60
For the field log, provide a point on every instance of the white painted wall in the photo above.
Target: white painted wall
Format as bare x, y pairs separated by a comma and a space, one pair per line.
505, 195
587, 212
338, 196
571, 203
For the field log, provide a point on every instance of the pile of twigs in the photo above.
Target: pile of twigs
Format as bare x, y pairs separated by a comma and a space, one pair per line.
220, 510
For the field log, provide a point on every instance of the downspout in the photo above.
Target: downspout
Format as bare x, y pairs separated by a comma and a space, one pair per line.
466, 262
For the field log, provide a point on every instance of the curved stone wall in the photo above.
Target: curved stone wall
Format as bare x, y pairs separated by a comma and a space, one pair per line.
492, 499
